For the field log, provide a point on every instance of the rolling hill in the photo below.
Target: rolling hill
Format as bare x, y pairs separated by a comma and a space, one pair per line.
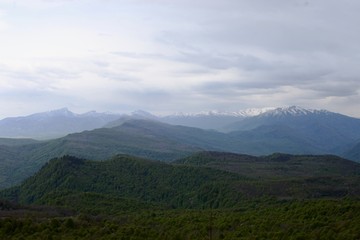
155, 140
274, 166
209, 195
205, 179
122, 177
140, 138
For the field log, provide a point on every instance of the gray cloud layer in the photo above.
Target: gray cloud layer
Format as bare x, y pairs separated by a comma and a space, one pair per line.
169, 55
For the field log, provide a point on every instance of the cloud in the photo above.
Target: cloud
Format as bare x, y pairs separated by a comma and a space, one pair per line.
117, 76
37, 4
170, 55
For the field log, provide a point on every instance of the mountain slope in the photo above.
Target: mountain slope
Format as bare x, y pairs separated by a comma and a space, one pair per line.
148, 139
329, 132
353, 153
303, 119
16, 141
264, 131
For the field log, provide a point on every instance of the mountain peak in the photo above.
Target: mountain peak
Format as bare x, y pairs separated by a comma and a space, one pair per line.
60, 112
143, 114
92, 114
63, 112
293, 111
242, 113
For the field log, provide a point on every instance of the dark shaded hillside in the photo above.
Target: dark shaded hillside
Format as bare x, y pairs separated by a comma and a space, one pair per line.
275, 166
304, 119
128, 139
283, 197
353, 153
324, 131
217, 122
125, 177
205, 139
269, 139
294, 138
260, 141
208, 179
311, 219
284, 175
20, 162
17, 141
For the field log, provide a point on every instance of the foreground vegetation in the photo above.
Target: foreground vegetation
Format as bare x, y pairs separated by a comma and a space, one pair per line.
209, 195
266, 219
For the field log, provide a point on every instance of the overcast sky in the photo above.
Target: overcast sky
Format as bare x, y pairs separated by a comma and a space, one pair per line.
167, 56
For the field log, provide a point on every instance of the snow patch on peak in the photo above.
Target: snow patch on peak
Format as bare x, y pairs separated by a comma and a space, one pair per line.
64, 112
293, 111
141, 113
91, 114
251, 112
242, 113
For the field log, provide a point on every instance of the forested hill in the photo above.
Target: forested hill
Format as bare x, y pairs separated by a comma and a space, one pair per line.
142, 138
216, 180
66, 180
276, 165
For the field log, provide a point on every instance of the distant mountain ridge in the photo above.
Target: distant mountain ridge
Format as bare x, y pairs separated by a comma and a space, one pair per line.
157, 140
53, 124
60, 122
294, 111
217, 120
283, 115
242, 113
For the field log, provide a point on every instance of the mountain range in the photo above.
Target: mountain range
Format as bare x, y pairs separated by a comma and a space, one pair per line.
60, 122
291, 130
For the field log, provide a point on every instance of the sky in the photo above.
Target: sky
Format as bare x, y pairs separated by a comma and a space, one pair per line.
167, 56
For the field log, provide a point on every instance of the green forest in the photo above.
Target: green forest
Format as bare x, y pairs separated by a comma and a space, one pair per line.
209, 195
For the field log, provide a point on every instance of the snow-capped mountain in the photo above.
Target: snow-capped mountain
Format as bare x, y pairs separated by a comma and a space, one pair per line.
52, 124
313, 126
292, 111
206, 120
330, 131
212, 119
242, 113
255, 131
293, 115
64, 112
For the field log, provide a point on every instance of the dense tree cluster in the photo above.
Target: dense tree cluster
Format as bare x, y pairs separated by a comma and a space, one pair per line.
206, 196
310, 219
